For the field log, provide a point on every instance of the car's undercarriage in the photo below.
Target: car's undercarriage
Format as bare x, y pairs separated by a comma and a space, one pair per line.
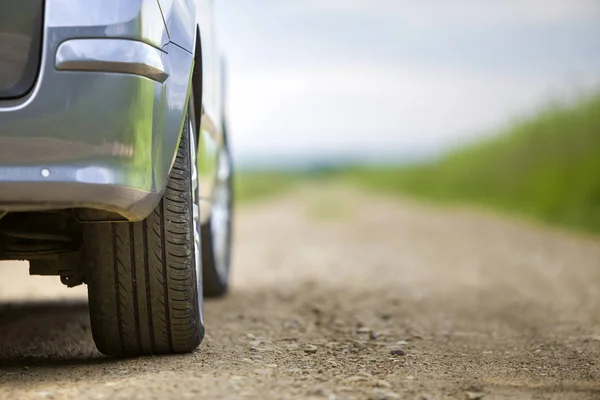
51, 241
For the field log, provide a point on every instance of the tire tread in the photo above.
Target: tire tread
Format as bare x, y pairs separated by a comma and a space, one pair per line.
143, 290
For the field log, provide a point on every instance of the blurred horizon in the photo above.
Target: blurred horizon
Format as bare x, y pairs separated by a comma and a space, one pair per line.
358, 81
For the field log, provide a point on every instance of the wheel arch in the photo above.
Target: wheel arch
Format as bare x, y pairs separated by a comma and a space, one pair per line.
197, 83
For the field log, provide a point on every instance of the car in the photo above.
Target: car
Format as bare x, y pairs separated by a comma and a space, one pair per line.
115, 168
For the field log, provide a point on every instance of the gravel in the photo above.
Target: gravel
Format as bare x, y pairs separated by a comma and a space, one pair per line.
468, 298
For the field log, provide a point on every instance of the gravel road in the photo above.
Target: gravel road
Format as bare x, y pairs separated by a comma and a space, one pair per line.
341, 295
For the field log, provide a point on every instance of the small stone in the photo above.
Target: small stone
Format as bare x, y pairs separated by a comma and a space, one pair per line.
317, 392
263, 371
363, 330
379, 395
397, 352
358, 345
310, 349
261, 349
474, 395
339, 322
401, 342
291, 346
355, 378
383, 384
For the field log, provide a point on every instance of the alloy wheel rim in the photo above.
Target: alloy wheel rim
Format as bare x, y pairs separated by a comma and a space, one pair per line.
196, 212
221, 215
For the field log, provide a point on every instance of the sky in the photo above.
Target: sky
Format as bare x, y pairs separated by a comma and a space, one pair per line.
391, 80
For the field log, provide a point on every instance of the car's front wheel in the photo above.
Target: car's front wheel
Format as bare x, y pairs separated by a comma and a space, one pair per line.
144, 278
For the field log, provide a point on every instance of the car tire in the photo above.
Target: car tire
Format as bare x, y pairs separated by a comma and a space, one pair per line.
144, 293
216, 234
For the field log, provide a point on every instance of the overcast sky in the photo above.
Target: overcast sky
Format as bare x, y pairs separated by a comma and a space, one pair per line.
389, 79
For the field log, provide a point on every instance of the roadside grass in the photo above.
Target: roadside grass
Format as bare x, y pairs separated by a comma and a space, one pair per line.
546, 168
252, 186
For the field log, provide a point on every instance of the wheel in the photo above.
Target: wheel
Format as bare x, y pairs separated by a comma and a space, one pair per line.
216, 234
145, 295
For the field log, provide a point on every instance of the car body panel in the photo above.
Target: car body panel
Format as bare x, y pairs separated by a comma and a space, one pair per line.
132, 19
101, 127
111, 55
179, 16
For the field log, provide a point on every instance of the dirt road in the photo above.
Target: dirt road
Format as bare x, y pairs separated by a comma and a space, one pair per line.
338, 295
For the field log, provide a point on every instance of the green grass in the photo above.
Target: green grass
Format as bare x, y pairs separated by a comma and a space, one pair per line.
546, 168
258, 185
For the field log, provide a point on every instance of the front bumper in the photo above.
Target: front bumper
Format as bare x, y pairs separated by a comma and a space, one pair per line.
101, 127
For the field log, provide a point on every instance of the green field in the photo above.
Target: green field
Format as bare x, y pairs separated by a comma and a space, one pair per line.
546, 168
251, 186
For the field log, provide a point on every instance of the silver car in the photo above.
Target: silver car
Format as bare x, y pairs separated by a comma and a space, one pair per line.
114, 164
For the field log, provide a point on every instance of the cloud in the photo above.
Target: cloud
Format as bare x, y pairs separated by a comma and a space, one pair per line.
442, 13
336, 77
337, 110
